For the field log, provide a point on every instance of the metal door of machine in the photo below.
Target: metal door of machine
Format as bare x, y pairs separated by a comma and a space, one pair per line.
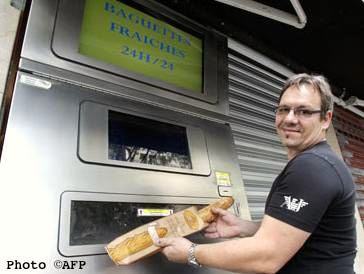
69, 180
40, 163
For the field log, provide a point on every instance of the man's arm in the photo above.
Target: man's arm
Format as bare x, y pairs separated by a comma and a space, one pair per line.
266, 252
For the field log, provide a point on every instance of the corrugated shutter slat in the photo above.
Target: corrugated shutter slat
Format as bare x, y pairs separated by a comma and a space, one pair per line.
253, 94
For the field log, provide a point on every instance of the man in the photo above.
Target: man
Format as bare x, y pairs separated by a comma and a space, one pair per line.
309, 225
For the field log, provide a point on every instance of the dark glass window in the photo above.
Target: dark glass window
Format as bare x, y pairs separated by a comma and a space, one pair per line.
95, 222
145, 141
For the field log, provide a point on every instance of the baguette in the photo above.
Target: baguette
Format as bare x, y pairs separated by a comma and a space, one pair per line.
134, 244
191, 219
206, 214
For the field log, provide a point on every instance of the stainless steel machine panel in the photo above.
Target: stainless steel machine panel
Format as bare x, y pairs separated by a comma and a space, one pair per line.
51, 49
40, 163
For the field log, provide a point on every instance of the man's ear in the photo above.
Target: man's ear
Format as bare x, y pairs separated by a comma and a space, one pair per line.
327, 120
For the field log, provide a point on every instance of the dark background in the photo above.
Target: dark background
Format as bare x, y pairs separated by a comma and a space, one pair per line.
332, 42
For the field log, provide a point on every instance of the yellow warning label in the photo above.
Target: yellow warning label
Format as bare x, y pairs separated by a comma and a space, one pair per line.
222, 178
154, 212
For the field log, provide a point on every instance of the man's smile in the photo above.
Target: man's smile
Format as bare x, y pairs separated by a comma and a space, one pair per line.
291, 130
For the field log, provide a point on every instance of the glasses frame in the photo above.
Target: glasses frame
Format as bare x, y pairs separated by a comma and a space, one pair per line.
308, 113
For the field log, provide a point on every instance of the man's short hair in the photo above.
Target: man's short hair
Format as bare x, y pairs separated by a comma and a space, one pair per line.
319, 83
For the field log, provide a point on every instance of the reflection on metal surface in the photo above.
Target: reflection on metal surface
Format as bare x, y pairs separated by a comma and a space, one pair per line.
33, 81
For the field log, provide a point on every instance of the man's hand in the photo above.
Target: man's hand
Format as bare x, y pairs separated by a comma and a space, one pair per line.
175, 249
226, 225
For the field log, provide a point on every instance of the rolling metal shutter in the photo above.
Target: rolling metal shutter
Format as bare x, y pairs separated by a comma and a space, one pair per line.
253, 95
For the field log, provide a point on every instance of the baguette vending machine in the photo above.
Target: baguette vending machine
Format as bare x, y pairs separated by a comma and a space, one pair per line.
118, 117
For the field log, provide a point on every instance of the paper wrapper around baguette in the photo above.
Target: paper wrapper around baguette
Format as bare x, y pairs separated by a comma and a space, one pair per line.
138, 243
134, 244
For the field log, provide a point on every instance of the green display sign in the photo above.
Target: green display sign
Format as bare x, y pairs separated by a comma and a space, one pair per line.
118, 34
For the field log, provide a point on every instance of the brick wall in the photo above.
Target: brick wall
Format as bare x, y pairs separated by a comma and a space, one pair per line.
349, 129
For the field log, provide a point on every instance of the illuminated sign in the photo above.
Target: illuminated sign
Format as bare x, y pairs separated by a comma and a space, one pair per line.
118, 34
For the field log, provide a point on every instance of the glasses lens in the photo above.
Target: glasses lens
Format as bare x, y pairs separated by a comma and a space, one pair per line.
282, 110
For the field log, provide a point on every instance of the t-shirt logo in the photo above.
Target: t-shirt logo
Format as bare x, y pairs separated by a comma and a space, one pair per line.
293, 204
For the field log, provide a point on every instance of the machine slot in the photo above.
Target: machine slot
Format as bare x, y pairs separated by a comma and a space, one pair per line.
95, 222
90, 220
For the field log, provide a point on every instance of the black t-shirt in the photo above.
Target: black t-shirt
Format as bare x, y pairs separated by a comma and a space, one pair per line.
315, 192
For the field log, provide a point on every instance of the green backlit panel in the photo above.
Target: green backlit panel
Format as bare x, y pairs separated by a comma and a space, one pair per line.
118, 34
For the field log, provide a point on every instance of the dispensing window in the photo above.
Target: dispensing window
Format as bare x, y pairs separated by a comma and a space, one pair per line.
141, 140
142, 137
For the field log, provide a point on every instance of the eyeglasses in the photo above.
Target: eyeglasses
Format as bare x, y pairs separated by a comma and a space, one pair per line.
298, 112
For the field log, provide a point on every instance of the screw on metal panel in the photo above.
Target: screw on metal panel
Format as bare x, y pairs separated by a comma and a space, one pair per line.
18, 4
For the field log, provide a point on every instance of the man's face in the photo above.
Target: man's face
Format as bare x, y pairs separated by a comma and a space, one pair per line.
297, 131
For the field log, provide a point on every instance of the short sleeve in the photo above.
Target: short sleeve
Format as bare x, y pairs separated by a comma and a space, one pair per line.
304, 192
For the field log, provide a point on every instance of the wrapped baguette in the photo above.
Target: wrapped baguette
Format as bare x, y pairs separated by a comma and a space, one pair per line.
134, 244
206, 213
138, 243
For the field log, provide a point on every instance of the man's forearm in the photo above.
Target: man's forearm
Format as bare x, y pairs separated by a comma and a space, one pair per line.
249, 228
239, 255
271, 247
